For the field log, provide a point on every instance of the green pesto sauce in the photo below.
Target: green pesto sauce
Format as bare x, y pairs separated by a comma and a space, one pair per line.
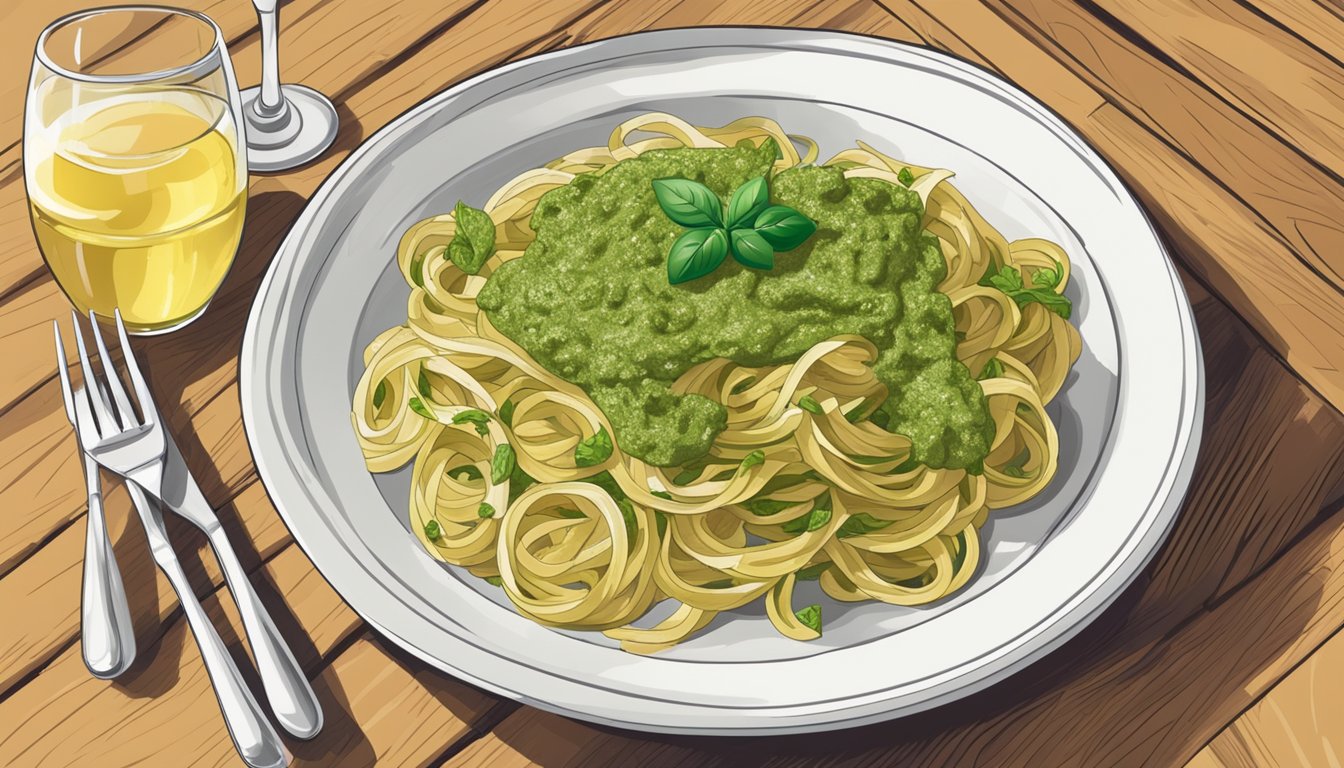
590, 301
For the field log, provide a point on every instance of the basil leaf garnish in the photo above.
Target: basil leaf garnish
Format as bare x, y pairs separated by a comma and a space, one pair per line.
379, 394
506, 412
501, 465
696, 254
747, 203
494, 581
688, 203
906, 177
754, 229
751, 250
485, 510
432, 530
594, 450
474, 240
783, 227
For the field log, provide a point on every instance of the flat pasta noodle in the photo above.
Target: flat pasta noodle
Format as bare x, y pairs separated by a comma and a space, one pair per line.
832, 498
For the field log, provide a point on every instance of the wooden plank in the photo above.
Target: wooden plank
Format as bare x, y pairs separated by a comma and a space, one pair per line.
1302, 203
1319, 22
164, 705
379, 706
385, 708
1265, 73
1296, 723
45, 589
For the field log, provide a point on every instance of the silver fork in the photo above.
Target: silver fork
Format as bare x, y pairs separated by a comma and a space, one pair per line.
107, 638
167, 478
135, 450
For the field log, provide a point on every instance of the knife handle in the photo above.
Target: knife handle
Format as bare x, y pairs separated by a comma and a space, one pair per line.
291, 697
107, 638
253, 736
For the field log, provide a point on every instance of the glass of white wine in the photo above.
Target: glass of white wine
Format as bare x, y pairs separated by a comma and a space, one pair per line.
136, 184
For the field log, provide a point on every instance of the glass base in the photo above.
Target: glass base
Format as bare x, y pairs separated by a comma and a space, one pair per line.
142, 331
301, 132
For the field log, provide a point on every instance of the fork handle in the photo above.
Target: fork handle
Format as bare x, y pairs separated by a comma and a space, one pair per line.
107, 638
253, 736
292, 698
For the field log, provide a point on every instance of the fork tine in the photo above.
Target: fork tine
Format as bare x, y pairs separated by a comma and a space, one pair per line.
66, 396
101, 409
147, 409
123, 404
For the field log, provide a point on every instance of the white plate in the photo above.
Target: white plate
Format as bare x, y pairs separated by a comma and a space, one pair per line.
1128, 419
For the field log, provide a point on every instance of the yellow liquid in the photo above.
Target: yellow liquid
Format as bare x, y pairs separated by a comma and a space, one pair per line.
137, 202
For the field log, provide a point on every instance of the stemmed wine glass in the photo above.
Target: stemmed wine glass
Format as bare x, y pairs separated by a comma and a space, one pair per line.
136, 181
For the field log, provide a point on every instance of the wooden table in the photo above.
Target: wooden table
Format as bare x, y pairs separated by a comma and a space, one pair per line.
1226, 118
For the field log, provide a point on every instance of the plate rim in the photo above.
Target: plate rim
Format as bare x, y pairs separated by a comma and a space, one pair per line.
1069, 619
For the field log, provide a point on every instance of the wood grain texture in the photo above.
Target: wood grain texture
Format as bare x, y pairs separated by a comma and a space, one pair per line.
1247, 585
1297, 723
1260, 70
1302, 203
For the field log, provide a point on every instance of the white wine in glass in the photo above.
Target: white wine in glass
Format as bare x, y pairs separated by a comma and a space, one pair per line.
136, 183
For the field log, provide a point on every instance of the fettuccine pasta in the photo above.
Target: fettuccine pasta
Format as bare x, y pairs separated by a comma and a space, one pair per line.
786, 494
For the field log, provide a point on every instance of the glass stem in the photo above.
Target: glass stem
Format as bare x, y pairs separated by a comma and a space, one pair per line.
271, 103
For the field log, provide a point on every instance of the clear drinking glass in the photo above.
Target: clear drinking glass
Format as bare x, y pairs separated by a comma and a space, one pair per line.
131, 154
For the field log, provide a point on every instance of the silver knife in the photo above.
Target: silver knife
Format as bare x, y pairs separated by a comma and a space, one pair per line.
291, 697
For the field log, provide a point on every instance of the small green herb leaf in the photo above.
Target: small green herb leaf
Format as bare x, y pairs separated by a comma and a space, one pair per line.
494, 581
812, 572
752, 250
906, 177
1046, 277
469, 470
747, 203
1009, 280
992, 370
506, 412
766, 507
662, 523
474, 240
752, 459
379, 394
422, 384
809, 403
810, 617
861, 523
696, 254
817, 518
501, 465
783, 227
593, 450
485, 510
661, 494
432, 530
473, 416
688, 203
417, 268
420, 409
